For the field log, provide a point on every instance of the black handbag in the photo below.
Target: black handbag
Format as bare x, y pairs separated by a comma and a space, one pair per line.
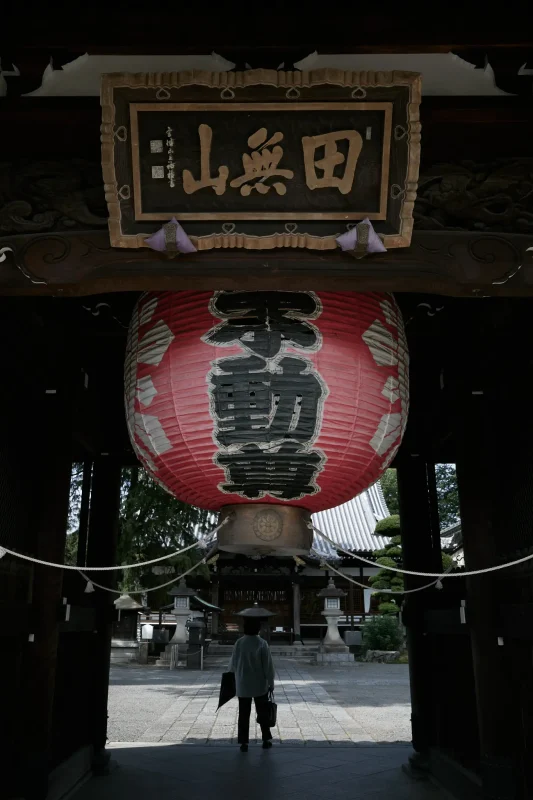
271, 712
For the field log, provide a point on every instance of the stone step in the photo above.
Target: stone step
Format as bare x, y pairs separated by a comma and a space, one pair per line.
335, 658
224, 649
282, 663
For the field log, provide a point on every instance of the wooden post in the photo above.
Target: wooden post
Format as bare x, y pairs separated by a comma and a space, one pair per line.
350, 605
101, 550
362, 576
296, 606
493, 696
215, 601
420, 535
50, 518
491, 426
419, 554
41, 656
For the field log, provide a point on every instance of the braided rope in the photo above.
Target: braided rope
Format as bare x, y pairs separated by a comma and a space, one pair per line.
200, 543
424, 574
143, 591
387, 591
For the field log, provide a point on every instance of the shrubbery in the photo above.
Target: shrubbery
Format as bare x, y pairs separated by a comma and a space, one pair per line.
389, 556
382, 633
390, 526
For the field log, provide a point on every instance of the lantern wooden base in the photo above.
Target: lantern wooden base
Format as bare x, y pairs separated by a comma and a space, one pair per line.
264, 529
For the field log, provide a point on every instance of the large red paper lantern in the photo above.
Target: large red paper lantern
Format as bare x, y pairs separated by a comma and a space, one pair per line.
282, 399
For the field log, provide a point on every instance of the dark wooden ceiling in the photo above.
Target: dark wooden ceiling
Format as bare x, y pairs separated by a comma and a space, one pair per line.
134, 27
36, 34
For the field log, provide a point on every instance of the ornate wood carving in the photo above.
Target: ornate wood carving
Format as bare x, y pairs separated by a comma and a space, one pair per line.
473, 228
495, 196
455, 263
51, 196
69, 195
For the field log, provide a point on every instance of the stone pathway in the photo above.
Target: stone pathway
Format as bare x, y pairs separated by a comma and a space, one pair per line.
154, 705
168, 741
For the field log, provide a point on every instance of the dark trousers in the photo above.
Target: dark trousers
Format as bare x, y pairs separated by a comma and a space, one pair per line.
245, 707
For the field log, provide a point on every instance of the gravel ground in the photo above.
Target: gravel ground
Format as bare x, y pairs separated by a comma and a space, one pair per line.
375, 695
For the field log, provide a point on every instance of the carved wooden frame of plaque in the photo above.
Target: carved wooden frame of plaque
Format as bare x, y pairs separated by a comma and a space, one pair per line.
237, 88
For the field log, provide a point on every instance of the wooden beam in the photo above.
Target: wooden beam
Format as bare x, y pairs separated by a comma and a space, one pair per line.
133, 31
454, 263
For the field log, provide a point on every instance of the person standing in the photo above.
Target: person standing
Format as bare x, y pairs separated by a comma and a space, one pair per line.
251, 662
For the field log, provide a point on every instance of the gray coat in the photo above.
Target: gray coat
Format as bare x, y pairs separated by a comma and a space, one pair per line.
252, 664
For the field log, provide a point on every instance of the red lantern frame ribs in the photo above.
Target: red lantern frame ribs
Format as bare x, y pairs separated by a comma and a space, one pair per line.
293, 399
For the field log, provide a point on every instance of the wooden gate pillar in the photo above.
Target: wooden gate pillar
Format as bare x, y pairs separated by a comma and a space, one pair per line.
101, 550
419, 527
41, 651
215, 599
492, 431
421, 552
493, 698
296, 611
48, 467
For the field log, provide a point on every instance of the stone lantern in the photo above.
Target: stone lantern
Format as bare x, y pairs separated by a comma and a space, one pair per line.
124, 644
182, 610
263, 614
332, 611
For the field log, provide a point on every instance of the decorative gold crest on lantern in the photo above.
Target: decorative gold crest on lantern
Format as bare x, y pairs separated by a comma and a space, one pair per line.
268, 525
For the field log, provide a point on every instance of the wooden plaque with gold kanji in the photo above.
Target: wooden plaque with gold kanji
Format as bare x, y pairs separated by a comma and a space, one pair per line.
261, 159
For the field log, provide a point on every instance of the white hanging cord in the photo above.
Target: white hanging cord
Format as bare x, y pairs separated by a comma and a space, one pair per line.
199, 543
424, 574
91, 583
389, 591
101, 569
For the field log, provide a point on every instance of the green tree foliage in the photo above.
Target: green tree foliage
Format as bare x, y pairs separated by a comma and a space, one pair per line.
76, 480
71, 548
151, 523
447, 493
71, 543
448, 562
389, 486
382, 633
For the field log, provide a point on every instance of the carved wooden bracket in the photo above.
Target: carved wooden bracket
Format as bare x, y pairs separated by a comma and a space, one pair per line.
454, 263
